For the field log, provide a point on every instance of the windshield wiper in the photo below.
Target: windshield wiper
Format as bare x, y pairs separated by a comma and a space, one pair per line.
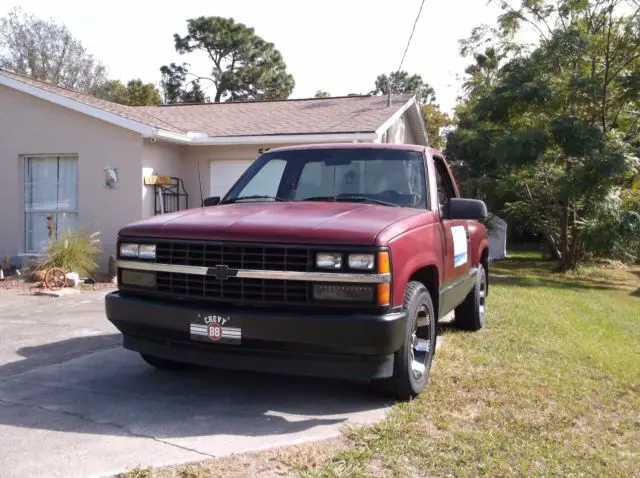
350, 199
255, 196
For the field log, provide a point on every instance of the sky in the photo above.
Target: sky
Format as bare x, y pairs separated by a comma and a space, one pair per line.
339, 46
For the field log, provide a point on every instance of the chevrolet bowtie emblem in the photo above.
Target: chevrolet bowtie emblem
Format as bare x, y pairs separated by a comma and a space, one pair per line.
222, 272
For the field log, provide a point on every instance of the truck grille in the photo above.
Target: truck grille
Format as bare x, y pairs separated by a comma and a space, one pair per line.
235, 256
233, 289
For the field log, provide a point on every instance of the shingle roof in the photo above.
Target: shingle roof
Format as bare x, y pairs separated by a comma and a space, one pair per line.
129, 112
349, 114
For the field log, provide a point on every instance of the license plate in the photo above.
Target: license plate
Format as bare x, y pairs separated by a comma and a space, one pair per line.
214, 328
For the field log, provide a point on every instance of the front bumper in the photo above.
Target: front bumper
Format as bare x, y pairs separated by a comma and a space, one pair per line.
332, 345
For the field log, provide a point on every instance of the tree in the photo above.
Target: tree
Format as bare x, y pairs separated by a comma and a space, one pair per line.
402, 83
321, 94
134, 93
175, 87
436, 121
556, 128
46, 51
245, 67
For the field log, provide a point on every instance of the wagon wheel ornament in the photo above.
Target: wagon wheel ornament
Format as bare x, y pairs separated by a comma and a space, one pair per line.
55, 279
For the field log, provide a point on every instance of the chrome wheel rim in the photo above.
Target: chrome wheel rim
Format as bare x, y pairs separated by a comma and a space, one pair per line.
482, 296
420, 349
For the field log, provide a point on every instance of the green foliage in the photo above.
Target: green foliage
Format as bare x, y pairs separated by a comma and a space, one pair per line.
175, 87
613, 228
134, 93
245, 67
549, 133
321, 94
401, 82
436, 122
73, 251
47, 51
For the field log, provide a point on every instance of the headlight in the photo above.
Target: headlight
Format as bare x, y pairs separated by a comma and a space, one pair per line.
129, 250
147, 251
326, 260
361, 261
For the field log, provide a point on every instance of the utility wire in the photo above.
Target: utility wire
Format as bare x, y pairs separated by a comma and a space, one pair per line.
411, 36
390, 85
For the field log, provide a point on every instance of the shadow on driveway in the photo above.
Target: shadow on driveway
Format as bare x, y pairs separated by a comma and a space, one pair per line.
113, 392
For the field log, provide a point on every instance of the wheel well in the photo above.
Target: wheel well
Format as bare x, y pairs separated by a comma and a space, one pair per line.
428, 276
484, 260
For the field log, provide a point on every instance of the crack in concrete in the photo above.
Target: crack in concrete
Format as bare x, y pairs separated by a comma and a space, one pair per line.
111, 424
129, 395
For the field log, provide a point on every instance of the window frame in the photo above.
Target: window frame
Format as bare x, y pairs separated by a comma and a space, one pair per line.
442, 172
25, 160
294, 168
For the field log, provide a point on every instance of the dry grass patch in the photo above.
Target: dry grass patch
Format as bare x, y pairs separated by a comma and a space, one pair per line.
287, 461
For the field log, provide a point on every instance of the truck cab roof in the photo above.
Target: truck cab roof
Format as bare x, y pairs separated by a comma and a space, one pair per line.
399, 147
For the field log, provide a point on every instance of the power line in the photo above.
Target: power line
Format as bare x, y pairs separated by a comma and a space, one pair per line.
390, 84
411, 36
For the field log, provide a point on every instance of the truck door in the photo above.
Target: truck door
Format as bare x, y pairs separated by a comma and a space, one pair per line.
455, 237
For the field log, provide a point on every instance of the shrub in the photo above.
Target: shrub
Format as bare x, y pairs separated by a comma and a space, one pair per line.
73, 251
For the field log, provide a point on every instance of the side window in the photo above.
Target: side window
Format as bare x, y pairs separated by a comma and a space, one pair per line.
445, 188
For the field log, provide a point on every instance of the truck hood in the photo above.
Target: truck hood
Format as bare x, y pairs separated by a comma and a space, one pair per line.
283, 222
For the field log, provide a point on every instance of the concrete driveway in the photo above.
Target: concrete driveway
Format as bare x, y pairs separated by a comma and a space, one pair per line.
74, 403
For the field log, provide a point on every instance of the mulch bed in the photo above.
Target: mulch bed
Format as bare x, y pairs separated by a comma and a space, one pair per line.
18, 283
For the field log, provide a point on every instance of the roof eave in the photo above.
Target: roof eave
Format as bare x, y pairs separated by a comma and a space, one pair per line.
92, 111
197, 139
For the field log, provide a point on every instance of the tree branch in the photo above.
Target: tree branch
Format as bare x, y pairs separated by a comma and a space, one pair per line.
509, 8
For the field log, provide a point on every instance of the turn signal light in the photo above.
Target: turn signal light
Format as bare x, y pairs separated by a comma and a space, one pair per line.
384, 294
383, 263
384, 290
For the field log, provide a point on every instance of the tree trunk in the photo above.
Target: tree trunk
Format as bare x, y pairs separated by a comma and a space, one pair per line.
564, 237
553, 246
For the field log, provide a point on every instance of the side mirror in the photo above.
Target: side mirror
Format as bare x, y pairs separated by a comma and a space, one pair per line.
212, 201
458, 208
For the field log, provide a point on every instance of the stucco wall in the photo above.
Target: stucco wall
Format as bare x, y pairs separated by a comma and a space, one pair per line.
32, 126
400, 132
163, 159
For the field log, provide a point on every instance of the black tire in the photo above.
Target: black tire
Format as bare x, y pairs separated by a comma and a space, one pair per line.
412, 363
164, 364
471, 313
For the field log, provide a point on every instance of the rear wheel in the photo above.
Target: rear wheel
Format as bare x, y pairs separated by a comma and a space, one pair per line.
164, 364
471, 313
412, 363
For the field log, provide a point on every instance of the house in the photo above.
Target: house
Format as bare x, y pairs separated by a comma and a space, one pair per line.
84, 162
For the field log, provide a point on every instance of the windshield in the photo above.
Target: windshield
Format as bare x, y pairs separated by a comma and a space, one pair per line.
380, 176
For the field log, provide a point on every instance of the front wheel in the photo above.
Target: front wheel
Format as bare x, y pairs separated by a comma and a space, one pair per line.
412, 363
471, 313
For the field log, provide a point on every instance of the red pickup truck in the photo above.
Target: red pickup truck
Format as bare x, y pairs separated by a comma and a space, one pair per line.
326, 260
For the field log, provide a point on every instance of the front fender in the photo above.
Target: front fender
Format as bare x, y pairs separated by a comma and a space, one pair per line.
412, 251
478, 241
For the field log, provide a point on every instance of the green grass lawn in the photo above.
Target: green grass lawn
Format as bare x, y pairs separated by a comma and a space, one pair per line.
550, 388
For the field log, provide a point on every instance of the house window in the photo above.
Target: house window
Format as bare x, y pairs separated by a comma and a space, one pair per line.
50, 194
